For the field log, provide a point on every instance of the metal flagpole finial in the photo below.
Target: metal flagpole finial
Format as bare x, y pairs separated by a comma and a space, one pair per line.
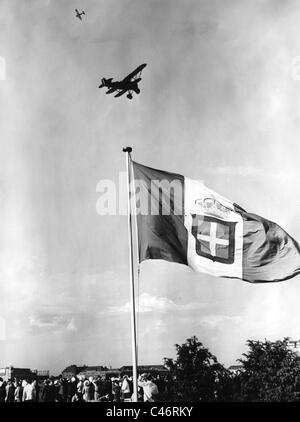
127, 149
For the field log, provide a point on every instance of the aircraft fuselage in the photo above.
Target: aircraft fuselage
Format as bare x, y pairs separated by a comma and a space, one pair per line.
123, 85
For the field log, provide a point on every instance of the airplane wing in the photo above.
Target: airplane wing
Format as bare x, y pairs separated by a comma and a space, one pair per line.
111, 90
121, 92
135, 72
78, 14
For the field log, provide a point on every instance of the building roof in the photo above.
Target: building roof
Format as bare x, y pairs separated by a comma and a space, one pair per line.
92, 368
145, 368
236, 368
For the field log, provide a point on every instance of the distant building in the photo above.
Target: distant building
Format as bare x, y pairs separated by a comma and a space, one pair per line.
42, 375
236, 369
151, 369
93, 371
111, 372
87, 371
10, 372
19, 373
294, 345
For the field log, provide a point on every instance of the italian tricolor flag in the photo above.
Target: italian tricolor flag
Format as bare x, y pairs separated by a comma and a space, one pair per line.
181, 220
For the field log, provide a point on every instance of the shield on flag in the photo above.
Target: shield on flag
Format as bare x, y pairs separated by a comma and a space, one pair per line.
215, 239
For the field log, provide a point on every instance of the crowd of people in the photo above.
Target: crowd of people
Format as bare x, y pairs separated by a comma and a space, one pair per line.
82, 389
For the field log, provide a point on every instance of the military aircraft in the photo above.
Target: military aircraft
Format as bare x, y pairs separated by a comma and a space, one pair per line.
78, 15
130, 83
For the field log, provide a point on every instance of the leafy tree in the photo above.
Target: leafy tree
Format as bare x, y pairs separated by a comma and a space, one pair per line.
270, 373
196, 373
71, 368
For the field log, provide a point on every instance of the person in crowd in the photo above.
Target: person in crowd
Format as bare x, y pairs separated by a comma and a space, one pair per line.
10, 391
88, 390
25, 389
52, 389
64, 385
2, 390
48, 393
140, 393
149, 388
106, 388
77, 397
58, 391
28, 391
97, 388
116, 389
125, 388
71, 388
18, 392
160, 384
130, 383
80, 386
92, 389
36, 389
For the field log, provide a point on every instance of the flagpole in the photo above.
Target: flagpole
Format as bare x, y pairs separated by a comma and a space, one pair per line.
128, 150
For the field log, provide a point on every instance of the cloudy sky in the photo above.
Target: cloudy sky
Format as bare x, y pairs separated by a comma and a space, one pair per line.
220, 102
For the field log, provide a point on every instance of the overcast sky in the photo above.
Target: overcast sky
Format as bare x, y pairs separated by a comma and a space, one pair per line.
219, 102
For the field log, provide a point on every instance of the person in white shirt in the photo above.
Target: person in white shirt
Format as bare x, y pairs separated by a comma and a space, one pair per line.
29, 392
149, 387
125, 388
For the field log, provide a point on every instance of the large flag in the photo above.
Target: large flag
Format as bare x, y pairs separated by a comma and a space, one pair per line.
181, 220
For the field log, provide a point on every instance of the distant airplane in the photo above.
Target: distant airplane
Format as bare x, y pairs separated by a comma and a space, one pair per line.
130, 83
78, 15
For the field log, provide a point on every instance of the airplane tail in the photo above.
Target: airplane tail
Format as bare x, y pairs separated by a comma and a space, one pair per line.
105, 82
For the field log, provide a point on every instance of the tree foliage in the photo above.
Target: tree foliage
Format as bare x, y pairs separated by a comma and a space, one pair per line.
270, 372
197, 374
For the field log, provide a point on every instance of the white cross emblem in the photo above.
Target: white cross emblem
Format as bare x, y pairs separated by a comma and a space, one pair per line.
212, 239
215, 238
